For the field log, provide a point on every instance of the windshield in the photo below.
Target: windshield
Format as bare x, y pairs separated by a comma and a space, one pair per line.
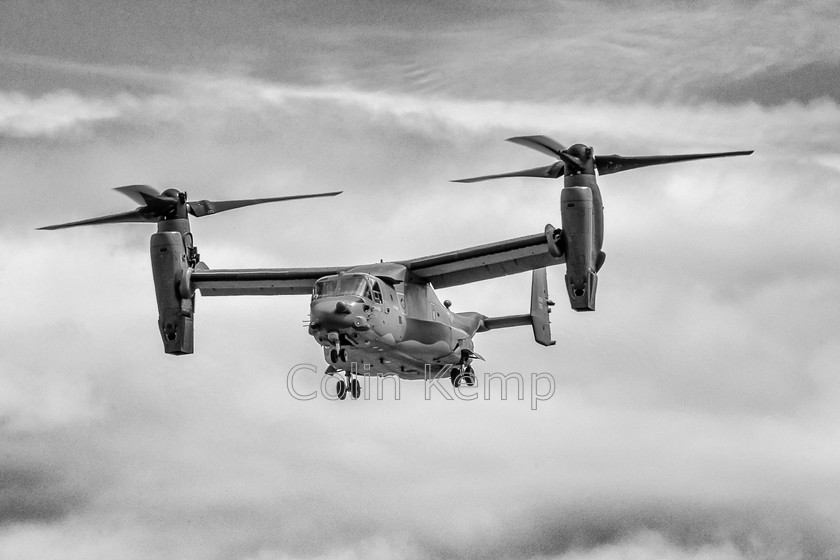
345, 285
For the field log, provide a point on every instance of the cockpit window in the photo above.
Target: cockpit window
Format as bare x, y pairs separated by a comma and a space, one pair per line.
345, 285
377, 293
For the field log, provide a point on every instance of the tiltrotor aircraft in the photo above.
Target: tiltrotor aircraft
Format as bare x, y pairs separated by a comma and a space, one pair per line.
385, 318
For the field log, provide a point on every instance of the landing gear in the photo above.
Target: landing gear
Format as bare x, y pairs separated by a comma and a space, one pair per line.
469, 376
351, 386
337, 355
466, 376
355, 388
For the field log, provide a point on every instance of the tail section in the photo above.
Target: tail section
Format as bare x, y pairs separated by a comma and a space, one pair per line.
538, 318
540, 308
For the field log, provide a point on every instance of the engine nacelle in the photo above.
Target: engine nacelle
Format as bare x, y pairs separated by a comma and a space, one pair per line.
176, 305
578, 214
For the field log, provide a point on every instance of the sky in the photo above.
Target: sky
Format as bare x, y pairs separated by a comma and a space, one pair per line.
693, 416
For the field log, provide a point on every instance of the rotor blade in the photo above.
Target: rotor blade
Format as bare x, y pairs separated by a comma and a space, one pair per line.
133, 216
552, 171
138, 193
542, 144
199, 208
616, 163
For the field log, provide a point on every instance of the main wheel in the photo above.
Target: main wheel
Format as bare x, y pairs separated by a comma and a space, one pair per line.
334, 355
342, 355
341, 389
455, 377
355, 388
469, 376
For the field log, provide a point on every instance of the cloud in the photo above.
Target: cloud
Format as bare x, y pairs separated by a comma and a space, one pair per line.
695, 413
599, 52
51, 114
226, 103
30, 495
775, 86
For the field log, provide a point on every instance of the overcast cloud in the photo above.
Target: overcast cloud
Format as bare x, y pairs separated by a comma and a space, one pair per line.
695, 414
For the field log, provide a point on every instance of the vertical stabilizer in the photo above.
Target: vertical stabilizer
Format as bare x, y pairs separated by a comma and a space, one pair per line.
540, 307
537, 318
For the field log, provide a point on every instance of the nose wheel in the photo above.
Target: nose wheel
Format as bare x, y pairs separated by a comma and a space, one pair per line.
338, 355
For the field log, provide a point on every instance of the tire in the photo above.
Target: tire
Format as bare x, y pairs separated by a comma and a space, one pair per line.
341, 389
355, 388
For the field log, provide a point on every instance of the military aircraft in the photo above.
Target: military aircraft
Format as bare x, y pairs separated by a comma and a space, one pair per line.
385, 318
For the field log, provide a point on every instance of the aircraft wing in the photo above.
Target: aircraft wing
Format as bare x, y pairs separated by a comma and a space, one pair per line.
443, 270
259, 281
483, 262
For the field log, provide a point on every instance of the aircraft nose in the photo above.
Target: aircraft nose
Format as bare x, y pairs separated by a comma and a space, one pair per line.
331, 314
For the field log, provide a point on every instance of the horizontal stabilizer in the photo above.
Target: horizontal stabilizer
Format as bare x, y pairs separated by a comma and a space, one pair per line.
492, 323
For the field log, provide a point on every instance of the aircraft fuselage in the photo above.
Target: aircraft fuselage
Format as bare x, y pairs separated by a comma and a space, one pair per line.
387, 327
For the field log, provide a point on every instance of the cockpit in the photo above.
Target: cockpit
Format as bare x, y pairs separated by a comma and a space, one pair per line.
360, 285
